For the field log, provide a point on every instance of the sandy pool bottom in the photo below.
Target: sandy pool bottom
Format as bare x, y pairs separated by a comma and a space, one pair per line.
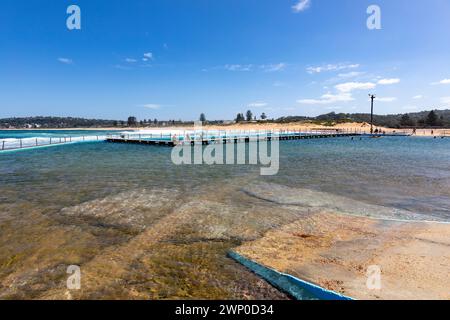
335, 251
170, 244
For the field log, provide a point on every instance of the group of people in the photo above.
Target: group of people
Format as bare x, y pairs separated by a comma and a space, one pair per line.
187, 137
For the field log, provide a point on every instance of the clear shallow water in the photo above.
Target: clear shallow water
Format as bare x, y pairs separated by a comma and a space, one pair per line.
168, 227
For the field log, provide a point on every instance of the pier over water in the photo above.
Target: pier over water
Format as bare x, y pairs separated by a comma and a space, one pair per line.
175, 137
218, 136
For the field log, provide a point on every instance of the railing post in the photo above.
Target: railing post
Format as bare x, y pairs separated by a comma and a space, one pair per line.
20, 143
3, 145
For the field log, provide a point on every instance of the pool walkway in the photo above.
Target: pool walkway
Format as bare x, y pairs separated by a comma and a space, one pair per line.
9, 145
206, 139
179, 137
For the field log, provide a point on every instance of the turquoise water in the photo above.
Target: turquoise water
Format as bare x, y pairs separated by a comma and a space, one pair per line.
18, 139
23, 134
91, 203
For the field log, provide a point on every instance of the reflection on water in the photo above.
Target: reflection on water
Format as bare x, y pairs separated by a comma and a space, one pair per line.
141, 227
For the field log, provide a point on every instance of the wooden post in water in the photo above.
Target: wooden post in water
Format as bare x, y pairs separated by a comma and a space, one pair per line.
372, 97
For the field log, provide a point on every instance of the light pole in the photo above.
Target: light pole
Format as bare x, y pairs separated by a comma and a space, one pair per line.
372, 97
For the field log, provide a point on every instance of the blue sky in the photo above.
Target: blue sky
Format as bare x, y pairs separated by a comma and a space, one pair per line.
175, 59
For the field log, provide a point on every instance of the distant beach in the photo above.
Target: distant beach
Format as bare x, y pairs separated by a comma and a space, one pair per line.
351, 126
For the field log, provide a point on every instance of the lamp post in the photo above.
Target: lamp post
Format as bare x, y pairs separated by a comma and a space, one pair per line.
372, 98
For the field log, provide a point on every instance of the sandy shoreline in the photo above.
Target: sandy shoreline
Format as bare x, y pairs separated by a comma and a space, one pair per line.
356, 127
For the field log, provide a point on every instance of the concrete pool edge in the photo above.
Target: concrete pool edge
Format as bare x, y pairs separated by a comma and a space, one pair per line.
295, 287
49, 146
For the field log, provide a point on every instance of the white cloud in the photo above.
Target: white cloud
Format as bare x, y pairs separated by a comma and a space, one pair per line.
257, 105
249, 67
419, 96
387, 99
331, 67
130, 60
65, 60
274, 67
238, 67
443, 81
301, 5
328, 99
350, 86
151, 106
148, 55
344, 93
388, 81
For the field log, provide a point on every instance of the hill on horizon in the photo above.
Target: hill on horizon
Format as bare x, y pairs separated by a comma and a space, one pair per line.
439, 118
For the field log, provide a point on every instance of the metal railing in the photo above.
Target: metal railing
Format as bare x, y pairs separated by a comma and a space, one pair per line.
25, 143
211, 135
185, 135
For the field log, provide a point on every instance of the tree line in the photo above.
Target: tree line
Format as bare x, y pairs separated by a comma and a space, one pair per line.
424, 119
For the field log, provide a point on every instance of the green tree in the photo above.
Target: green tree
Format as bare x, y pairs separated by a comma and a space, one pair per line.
432, 119
240, 117
131, 121
202, 117
263, 116
249, 115
406, 121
